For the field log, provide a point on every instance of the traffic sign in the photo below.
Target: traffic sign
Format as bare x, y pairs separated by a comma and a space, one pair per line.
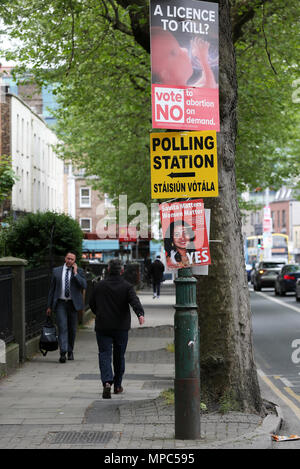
183, 164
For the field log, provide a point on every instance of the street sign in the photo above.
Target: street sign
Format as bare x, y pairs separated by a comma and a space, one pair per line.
267, 225
185, 65
183, 164
185, 234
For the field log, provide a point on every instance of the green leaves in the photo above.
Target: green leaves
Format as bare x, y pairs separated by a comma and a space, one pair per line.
268, 120
36, 237
91, 48
7, 177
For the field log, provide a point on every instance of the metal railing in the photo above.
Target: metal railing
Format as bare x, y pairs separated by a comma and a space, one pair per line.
37, 284
6, 326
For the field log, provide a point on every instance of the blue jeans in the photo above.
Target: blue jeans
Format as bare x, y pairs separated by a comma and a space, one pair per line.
112, 347
156, 288
66, 320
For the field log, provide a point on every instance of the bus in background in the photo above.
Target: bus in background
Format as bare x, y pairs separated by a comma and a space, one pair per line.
254, 249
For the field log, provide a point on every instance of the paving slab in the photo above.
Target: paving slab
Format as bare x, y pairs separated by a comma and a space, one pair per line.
45, 404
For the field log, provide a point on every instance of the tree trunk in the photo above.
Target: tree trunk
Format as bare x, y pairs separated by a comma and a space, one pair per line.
228, 372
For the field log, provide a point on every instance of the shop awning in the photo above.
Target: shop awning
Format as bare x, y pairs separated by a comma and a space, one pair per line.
100, 245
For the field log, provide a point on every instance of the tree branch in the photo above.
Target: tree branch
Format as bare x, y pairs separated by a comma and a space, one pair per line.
72, 41
266, 41
239, 21
115, 21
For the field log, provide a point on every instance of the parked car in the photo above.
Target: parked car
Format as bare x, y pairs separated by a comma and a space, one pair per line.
298, 290
266, 273
286, 279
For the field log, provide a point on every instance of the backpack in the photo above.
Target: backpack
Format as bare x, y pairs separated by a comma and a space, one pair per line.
48, 339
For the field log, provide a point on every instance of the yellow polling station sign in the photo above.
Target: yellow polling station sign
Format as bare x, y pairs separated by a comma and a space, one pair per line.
183, 164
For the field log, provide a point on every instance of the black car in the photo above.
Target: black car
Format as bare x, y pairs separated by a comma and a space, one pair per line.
298, 290
286, 279
265, 274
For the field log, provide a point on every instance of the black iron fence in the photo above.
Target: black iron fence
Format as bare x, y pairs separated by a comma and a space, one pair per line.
37, 283
6, 326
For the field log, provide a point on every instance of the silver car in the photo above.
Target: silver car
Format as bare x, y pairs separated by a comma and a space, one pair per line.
266, 273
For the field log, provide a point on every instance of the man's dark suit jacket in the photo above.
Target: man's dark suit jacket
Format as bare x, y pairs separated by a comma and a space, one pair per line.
77, 284
110, 302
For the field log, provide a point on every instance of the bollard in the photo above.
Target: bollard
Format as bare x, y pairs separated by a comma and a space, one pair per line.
187, 368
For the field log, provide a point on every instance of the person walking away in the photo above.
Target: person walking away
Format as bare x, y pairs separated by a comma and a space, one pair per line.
65, 299
110, 302
157, 272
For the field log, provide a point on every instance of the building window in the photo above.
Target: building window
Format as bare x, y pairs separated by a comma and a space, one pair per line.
283, 219
86, 224
85, 197
80, 172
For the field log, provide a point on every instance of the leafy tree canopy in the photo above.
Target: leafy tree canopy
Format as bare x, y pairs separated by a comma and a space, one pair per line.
97, 54
7, 177
41, 236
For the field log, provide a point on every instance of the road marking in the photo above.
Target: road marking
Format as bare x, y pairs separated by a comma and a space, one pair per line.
291, 405
282, 303
285, 381
292, 393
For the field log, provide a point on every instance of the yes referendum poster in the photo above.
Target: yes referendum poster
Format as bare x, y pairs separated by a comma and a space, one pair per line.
184, 65
185, 234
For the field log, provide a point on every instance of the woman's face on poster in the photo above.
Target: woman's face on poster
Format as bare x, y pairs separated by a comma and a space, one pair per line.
181, 236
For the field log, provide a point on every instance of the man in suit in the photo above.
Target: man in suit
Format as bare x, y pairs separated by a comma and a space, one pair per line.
65, 299
110, 302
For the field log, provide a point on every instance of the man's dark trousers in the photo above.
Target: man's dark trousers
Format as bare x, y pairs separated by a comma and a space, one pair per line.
156, 288
66, 319
112, 344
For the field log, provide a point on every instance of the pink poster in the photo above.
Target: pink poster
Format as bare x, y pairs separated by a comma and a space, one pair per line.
185, 234
185, 65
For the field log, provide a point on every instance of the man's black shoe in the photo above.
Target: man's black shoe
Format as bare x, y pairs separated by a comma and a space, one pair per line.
106, 391
118, 389
70, 356
62, 358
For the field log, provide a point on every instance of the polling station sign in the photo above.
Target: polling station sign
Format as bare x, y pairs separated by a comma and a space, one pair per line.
185, 234
184, 65
183, 164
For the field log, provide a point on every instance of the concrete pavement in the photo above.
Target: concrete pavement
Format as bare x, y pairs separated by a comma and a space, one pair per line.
45, 404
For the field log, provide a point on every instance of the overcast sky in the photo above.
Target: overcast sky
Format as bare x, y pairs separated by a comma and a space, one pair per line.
6, 43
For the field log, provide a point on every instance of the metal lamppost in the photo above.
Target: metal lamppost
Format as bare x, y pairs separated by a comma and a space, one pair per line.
187, 368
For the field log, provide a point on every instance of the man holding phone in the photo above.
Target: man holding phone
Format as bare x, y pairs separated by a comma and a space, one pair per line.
65, 299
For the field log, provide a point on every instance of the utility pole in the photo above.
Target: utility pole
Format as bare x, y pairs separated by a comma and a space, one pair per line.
187, 368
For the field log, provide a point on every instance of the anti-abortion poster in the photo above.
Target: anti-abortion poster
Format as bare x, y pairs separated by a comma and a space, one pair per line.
184, 65
185, 234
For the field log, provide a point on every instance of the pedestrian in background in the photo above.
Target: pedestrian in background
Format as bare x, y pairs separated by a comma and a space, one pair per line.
66, 299
157, 275
110, 302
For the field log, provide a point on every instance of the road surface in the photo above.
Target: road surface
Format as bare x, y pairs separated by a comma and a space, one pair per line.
276, 337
